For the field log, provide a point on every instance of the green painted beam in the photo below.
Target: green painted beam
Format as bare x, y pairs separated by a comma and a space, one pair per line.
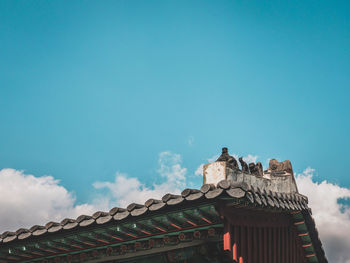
127, 242
157, 224
308, 247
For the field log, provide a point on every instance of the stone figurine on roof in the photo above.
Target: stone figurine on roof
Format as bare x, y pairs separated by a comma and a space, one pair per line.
230, 160
276, 167
278, 177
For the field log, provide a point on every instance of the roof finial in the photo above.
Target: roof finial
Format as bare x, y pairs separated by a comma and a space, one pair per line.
230, 160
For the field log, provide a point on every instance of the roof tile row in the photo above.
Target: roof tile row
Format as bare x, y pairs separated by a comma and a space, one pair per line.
236, 190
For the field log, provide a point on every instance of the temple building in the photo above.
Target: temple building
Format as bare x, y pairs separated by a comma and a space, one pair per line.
241, 214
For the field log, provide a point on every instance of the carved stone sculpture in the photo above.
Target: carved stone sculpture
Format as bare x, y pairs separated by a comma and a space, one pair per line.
280, 167
256, 169
230, 160
245, 168
260, 169
252, 168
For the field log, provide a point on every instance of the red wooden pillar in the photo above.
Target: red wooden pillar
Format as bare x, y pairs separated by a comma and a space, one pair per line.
249, 248
287, 244
260, 246
270, 244
266, 250
243, 245
274, 240
227, 240
294, 251
283, 244
227, 235
256, 245
235, 243
285, 247
279, 244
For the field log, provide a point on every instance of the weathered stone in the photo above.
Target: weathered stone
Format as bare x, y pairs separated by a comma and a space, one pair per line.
252, 168
215, 172
230, 160
278, 167
282, 182
244, 165
260, 169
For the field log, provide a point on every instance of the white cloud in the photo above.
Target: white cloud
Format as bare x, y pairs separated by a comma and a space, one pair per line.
125, 190
170, 168
27, 200
332, 218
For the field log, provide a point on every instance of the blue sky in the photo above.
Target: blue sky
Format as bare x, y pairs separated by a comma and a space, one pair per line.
107, 102
95, 87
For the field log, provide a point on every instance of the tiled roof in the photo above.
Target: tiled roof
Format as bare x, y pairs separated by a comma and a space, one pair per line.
251, 197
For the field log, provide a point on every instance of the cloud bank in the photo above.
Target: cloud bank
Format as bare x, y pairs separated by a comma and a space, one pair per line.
27, 200
332, 218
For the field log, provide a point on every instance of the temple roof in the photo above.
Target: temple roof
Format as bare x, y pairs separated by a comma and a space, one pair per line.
263, 199
273, 190
244, 194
